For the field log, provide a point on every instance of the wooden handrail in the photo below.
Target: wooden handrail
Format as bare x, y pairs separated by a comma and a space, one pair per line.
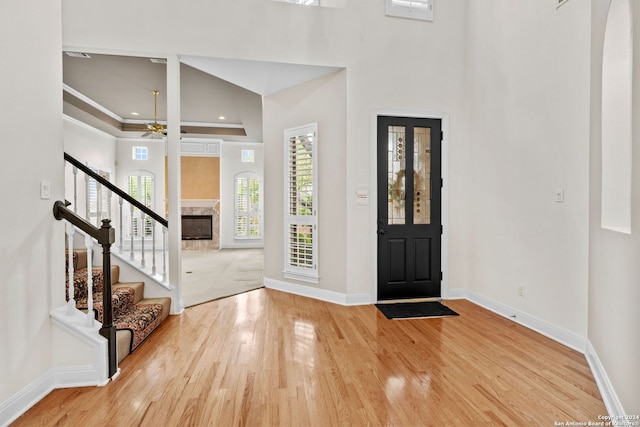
116, 190
105, 236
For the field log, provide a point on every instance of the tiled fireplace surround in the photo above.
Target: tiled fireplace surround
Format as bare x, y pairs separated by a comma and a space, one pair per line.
203, 207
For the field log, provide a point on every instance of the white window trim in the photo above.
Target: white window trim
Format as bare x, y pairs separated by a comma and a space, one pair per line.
412, 9
294, 272
248, 175
143, 149
302, 2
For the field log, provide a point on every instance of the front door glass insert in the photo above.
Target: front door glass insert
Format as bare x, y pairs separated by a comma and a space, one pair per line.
396, 174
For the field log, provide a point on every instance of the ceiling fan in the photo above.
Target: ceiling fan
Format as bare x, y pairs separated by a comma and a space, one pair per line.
155, 127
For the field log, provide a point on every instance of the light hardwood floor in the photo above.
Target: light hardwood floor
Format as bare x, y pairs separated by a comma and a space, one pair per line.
266, 358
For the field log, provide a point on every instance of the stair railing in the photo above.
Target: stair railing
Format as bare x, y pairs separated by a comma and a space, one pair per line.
105, 235
138, 212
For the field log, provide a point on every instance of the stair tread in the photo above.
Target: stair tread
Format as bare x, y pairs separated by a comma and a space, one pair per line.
138, 288
164, 301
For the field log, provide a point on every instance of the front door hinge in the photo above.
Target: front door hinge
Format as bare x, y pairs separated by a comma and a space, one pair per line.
442, 229
441, 136
441, 183
441, 275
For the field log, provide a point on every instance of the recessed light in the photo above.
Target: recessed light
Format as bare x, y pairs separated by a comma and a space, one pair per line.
221, 117
133, 113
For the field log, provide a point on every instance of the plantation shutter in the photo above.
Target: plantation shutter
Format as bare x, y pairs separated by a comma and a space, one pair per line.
248, 206
98, 199
301, 219
140, 187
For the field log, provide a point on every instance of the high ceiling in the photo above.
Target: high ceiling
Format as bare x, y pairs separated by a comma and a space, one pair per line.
105, 91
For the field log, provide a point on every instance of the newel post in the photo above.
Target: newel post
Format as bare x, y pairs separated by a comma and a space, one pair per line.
106, 238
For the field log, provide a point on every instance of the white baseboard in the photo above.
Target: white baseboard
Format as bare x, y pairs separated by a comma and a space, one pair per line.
317, 293
71, 376
543, 327
609, 396
19, 403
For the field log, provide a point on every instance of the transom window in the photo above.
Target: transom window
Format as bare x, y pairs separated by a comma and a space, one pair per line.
248, 156
302, 2
301, 204
140, 153
414, 9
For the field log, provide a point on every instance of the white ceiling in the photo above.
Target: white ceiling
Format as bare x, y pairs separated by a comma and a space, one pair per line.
210, 88
264, 78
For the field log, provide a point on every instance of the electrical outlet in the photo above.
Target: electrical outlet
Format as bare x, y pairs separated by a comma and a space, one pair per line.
521, 291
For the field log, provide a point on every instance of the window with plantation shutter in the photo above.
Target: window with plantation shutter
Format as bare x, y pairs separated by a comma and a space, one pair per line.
414, 9
301, 203
248, 208
98, 199
140, 187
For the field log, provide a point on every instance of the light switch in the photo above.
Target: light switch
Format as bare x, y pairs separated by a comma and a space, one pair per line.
45, 190
559, 195
362, 196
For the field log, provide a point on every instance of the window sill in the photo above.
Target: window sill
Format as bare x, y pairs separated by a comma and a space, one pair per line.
301, 277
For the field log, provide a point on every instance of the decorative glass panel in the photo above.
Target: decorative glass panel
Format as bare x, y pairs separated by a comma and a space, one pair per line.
396, 174
422, 176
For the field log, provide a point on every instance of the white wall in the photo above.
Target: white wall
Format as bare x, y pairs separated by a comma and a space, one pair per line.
231, 165
614, 270
93, 148
32, 244
527, 97
321, 101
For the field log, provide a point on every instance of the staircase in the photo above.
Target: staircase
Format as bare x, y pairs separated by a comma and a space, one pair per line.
134, 316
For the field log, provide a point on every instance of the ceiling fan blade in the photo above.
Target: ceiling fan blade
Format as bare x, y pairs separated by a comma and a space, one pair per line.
147, 133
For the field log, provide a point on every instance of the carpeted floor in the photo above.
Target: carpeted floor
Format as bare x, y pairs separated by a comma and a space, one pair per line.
209, 275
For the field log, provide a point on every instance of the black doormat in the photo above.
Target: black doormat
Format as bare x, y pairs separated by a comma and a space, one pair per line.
412, 310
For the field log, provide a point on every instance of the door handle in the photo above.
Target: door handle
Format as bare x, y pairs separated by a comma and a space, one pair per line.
381, 231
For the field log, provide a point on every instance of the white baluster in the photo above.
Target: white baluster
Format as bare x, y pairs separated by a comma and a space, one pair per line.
87, 200
153, 246
98, 204
131, 232
88, 241
71, 303
144, 231
164, 253
75, 189
108, 210
121, 242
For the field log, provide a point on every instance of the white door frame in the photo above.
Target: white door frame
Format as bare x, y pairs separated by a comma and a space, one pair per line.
373, 206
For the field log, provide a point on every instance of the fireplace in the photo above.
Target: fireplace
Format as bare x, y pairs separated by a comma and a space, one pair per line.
197, 227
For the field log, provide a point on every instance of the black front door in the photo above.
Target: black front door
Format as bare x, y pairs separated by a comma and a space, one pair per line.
409, 207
